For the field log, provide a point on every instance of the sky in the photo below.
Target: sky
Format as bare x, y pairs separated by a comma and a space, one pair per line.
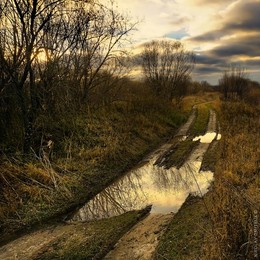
220, 32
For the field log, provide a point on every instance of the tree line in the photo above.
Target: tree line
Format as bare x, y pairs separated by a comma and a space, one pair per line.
54, 54
58, 57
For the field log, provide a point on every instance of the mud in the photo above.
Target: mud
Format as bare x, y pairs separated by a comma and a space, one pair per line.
185, 128
25, 247
140, 242
205, 141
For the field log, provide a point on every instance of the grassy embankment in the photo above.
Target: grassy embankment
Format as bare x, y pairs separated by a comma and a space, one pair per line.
185, 233
221, 225
180, 152
234, 204
90, 151
92, 240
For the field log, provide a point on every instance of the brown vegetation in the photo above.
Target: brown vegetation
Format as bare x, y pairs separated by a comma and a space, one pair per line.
167, 67
88, 152
234, 201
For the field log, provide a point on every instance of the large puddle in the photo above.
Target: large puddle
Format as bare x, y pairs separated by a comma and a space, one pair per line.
149, 184
166, 190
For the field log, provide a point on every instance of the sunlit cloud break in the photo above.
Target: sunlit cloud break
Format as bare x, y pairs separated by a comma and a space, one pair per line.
220, 32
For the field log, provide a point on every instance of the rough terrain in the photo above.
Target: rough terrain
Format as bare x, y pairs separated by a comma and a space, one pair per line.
140, 242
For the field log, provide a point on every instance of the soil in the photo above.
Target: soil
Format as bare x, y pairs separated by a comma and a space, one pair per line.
185, 128
140, 242
26, 246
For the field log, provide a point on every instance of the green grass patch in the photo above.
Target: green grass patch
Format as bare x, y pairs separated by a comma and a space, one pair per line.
178, 154
185, 234
91, 240
200, 125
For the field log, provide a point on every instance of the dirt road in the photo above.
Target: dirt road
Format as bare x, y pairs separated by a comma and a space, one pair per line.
140, 242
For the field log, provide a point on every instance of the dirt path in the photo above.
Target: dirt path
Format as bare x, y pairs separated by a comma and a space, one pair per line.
182, 132
198, 153
185, 128
25, 247
212, 125
140, 242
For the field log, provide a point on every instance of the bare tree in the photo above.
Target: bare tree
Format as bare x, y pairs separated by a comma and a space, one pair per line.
234, 83
53, 53
167, 67
23, 24
107, 30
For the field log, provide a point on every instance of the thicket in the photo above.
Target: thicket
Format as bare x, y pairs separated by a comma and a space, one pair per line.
167, 67
56, 59
235, 84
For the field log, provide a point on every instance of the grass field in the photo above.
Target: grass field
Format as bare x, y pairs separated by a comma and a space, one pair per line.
89, 152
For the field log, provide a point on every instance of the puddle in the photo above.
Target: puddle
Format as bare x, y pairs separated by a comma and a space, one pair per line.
149, 184
165, 189
207, 138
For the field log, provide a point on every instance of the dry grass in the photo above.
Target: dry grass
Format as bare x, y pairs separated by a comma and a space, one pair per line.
223, 224
203, 100
178, 154
90, 150
235, 197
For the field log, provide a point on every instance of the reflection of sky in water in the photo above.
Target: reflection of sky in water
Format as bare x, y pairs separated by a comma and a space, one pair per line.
165, 189
207, 138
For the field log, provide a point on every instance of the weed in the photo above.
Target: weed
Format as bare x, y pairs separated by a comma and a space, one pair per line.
235, 195
90, 150
90, 240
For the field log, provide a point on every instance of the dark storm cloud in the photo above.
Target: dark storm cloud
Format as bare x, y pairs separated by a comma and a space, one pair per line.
247, 45
234, 50
239, 36
244, 17
210, 36
207, 60
207, 70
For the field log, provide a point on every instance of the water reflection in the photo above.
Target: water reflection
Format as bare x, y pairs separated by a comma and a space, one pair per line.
165, 189
207, 138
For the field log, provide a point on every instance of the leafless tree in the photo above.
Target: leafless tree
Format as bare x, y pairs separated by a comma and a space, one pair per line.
167, 67
234, 83
53, 53
23, 24
107, 29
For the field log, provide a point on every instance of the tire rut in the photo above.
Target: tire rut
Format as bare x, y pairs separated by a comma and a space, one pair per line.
141, 241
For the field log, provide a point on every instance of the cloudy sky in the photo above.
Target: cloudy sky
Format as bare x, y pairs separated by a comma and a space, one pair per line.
220, 31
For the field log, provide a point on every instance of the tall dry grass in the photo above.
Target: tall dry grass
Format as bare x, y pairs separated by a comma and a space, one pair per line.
89, 150
235, 199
